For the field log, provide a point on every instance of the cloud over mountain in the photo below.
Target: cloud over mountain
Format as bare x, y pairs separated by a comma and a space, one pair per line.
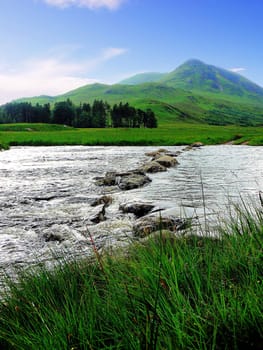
51, 76
237, 69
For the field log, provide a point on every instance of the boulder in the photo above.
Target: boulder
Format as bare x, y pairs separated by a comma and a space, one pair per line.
53, 237
197, 144
187, 148
99, 216
133, 180
167, 161
173, 154
162, 150
153, 167
126, 181
107, 200
138, 209
108, 180
153, 154
156, 153
148, 224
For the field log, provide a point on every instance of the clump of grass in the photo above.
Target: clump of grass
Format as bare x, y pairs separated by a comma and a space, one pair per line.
168, 292
3, 146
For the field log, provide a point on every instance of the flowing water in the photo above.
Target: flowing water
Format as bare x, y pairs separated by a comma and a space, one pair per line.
48, 190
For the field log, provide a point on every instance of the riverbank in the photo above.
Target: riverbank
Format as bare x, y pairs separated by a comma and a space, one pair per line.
167, 134
166, 292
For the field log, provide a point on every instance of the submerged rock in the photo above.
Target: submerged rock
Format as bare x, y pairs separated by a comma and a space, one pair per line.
53, 237
138, 209
193, 146
197, 144
173, 154
108, 180
156, 153
148, 224
99, 216
107, 200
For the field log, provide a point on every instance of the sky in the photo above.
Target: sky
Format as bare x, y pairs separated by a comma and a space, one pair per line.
49, 47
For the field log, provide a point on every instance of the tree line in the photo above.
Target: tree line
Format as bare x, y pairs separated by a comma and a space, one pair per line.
99, 114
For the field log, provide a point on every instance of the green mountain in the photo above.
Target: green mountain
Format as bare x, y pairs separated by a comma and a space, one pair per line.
198, 76
193, 92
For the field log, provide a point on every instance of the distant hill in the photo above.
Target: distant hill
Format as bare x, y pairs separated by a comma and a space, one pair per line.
193, 92
143, 78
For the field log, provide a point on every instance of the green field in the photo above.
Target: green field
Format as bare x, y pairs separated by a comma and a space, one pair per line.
167, 134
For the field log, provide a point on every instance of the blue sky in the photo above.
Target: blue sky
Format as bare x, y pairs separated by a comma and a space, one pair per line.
53, 46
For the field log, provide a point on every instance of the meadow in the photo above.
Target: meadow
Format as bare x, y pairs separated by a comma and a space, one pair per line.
165, 134
167, 292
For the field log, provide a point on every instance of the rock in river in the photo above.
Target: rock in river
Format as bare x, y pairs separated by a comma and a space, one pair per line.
167, 161
126, 181
107, 200
108, 180
151, 223
133, 180
197, 144
99, 216
138, 209
153, 167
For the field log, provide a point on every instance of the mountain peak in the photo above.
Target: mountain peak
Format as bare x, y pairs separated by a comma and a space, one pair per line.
199, 76
193, 62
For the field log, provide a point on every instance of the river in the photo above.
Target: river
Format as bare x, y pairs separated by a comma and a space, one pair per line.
48, 190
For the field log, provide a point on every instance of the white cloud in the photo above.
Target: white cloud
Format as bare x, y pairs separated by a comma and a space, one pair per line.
91, 4
237, 69
50, 76
112, 52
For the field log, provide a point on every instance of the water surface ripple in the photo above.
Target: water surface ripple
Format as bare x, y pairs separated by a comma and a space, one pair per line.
47, 190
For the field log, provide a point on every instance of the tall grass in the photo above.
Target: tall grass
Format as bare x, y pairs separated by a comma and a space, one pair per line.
167, 292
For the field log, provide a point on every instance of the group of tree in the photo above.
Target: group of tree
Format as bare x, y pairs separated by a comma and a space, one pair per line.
99, 114
25, 112
123, 115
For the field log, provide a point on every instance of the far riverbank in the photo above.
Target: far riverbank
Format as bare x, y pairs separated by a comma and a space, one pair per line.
168, 134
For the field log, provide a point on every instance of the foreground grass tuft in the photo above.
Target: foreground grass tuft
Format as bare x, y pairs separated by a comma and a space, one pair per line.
165, 293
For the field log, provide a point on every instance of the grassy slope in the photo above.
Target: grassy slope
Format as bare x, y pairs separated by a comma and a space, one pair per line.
167, 293
173, 104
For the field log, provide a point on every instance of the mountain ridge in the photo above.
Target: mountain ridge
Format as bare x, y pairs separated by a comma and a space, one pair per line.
194, 92
182, 77
146, 77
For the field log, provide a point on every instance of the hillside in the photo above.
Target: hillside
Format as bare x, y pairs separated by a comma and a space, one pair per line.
143, 78
193, 92
198, 76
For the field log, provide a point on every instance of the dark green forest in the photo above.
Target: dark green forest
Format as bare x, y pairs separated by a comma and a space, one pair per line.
99, 114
